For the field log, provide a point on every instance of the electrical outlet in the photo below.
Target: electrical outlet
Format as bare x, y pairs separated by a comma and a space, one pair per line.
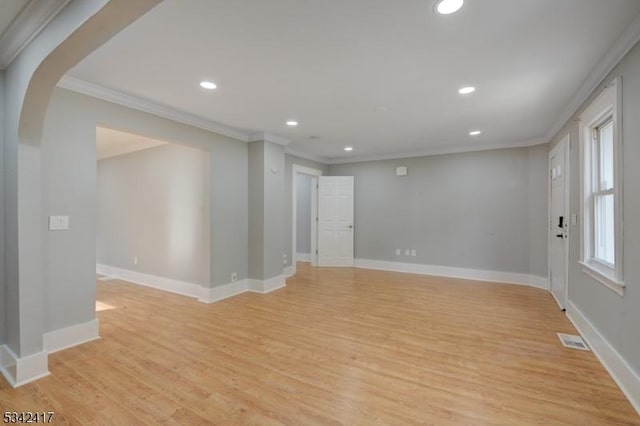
284, 259
58, 223
135, 260
234, 277
414, 253
398, 252
407, 252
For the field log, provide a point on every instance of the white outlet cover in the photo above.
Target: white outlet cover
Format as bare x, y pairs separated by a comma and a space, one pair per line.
413, 252
402, 171
58, 223
398, 252
407, 252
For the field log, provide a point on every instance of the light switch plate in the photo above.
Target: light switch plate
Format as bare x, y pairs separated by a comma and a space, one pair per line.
402, 171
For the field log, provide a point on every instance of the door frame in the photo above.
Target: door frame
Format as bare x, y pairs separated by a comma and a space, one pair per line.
564, 144
314, 173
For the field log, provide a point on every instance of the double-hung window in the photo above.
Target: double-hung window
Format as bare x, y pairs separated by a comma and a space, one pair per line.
601, 195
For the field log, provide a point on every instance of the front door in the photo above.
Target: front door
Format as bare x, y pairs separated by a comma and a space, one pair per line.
558, 223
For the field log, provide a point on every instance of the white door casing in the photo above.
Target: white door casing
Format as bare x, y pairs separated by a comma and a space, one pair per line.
314, 173
335, 220
559, 221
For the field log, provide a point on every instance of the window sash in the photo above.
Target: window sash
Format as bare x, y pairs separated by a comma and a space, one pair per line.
596, 226
598, 120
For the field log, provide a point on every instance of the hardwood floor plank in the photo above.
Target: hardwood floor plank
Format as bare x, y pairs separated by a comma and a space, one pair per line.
336, 346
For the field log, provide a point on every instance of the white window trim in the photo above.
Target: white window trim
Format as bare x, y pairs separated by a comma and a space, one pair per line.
608, 104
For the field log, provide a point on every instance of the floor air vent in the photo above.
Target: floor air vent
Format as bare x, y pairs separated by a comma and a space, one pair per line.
573, 342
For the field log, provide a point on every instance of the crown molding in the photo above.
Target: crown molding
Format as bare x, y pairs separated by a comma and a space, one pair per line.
268, 137
629, 38
441, 150
150, 107
310, 157
26, 26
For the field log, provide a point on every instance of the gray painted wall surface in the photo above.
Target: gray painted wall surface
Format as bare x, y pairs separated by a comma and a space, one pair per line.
466, 210
290, 160
303, 214
69, 176
2, 204
538, 210
29, 81
256, 209
266, 209
617, 318
153, 205
274, 220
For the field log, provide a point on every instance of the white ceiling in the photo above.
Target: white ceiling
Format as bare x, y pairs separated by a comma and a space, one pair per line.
376, 74
9, 9
111, 143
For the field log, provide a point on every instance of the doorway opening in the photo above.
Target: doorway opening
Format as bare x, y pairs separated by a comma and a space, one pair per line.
304, 216
152, 213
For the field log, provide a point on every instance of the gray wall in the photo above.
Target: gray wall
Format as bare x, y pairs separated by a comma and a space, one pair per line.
266, 209
303, 214
538, 210
153, 205
2, 204
256, 209
469, 210
290, 160
69, 177
617, 318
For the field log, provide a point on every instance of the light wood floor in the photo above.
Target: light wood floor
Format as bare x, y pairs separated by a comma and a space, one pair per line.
336, 346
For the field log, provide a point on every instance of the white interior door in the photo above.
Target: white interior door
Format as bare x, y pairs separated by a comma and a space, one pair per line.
335, 221
314, 221
558, 223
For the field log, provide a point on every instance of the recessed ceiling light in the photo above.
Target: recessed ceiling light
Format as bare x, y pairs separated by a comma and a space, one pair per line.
474, 133
292, 123
466, 90
208, 85
348, 148
447, 7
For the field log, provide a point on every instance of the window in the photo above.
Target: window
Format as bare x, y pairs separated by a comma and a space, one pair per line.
601, 149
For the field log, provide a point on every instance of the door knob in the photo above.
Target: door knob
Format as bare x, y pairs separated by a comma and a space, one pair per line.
559, 235
350, 226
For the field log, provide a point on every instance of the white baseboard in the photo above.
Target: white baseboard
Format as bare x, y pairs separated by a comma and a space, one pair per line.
289, 271
153, 281
303, 257
68, 337
215, 294
267, 286
452, 272
20, 371
203, 294
613, 362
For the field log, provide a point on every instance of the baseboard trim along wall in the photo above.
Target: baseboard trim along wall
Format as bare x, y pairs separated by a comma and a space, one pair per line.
452, 272
267, 286
160, 283
215, 294
203, 294
68, 337
289, 271
613, 362
303, 257
20, 371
